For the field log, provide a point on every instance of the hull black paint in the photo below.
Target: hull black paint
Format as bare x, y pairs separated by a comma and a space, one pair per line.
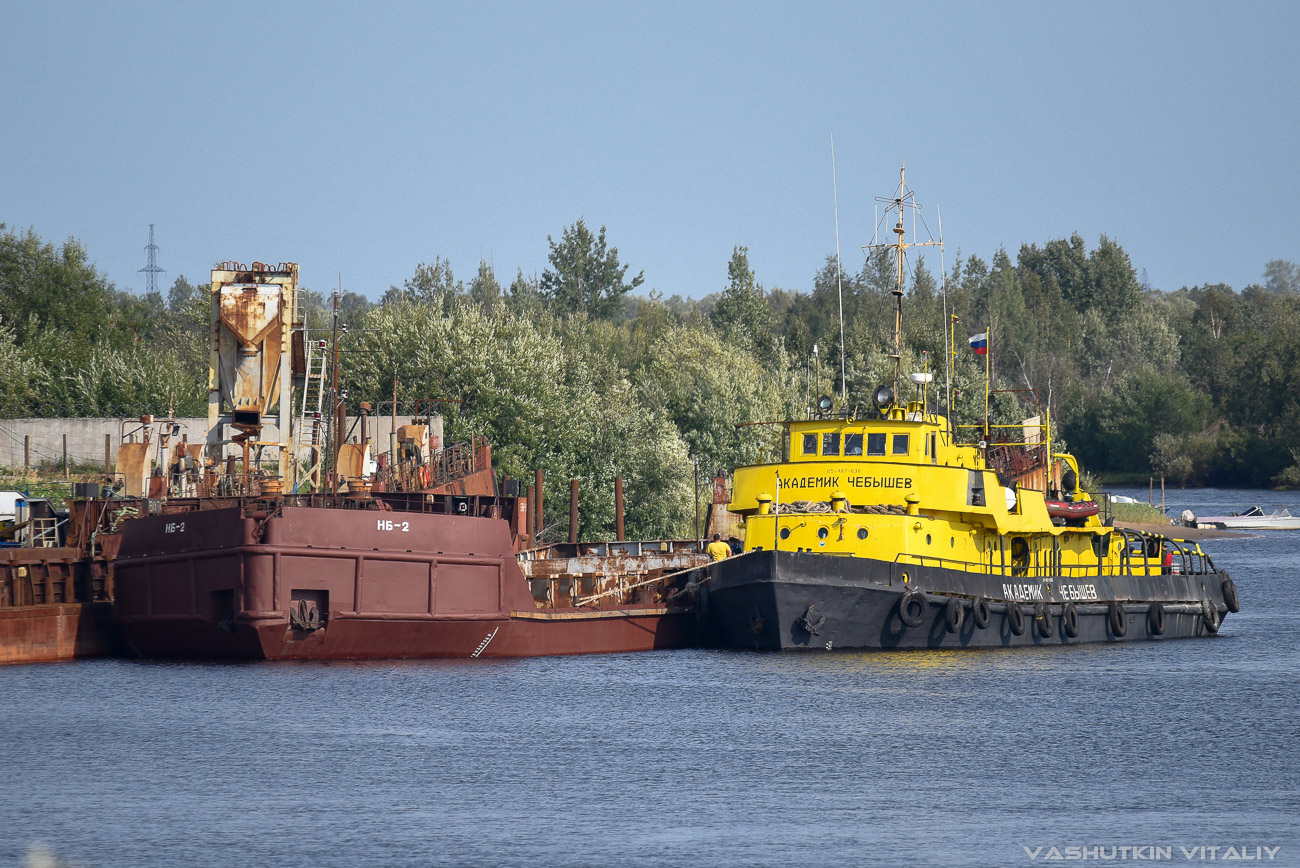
802, 600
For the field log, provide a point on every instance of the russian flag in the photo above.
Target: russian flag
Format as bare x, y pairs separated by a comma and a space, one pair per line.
980, 343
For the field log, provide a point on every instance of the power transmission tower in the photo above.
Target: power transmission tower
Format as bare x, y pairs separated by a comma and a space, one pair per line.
151, 271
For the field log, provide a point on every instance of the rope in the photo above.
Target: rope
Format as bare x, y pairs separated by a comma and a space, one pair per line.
817, 507
625, 588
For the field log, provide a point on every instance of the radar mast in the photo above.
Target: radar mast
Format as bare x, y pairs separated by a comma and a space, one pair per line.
902, 199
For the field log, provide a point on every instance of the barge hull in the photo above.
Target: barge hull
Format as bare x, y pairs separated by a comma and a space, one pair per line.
805, 601
361, 638
66, 631
313, 584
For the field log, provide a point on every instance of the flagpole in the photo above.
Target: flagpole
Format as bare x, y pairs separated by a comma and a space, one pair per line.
988, 359
952, 370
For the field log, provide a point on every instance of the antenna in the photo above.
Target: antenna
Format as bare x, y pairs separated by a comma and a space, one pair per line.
947, 332
151, 271
904, 198
839, 276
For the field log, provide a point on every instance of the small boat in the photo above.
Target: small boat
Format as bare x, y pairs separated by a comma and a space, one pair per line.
1071, 509
1252, 519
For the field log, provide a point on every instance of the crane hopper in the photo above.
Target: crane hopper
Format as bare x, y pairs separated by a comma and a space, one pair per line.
253, 312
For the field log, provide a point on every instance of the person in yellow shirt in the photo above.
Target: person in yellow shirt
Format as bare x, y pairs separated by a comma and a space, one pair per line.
718, 549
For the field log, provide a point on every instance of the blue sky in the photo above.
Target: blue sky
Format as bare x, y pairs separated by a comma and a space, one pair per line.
360, 140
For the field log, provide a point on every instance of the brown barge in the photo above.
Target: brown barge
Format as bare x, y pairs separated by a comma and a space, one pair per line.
301, 581
258, 545
56, 592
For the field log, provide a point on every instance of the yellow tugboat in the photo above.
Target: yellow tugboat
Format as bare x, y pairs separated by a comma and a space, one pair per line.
896, 531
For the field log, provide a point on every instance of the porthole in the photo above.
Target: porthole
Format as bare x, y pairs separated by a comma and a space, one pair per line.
952, 542
927, 539
785, 533
862, 533
822, 533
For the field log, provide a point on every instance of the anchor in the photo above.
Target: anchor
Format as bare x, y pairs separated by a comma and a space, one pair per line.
807, 623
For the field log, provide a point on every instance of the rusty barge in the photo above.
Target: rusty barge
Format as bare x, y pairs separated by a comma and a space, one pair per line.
56, 587
281, 538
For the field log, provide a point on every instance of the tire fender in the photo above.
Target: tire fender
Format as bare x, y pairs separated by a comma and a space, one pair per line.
1015, 619
954, 614
1213, 619
1230, 596
912, 607
1118, 619
1043, 621
1156, 618
1070, 620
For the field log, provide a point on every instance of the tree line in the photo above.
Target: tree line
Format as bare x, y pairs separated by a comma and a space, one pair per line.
575, 372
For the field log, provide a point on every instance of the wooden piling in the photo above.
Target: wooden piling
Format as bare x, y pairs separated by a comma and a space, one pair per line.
573, 510
532, 514
618, 509
539, 513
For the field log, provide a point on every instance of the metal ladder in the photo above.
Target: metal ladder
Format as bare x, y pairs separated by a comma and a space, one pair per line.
311, 423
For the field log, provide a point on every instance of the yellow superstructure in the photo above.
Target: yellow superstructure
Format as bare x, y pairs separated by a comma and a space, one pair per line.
900, 488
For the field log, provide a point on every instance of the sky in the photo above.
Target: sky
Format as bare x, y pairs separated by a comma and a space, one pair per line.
362, 139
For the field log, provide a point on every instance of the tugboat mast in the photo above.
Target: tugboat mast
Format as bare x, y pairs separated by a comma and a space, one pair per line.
904, 198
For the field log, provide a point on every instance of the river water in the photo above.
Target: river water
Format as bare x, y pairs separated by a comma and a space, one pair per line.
683, 757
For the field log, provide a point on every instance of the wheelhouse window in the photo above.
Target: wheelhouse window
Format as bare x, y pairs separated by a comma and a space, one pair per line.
901, 444
831, 443
876, 444
810, 444
853, 444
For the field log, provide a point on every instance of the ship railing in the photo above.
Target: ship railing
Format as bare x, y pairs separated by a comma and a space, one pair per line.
1047, 564
448, 464
1037, 568
633, 548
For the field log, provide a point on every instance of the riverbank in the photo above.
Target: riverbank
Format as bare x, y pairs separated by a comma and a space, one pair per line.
1180, 532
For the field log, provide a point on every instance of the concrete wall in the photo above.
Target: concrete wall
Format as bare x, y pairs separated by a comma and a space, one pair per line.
85, 437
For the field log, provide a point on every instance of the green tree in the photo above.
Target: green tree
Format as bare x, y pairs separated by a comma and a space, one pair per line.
44, 289
525, 295
434, 282
26, 380
484, 290
585, 274
1112, 283
707, 387
742, 309
1281, 277
180, 294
